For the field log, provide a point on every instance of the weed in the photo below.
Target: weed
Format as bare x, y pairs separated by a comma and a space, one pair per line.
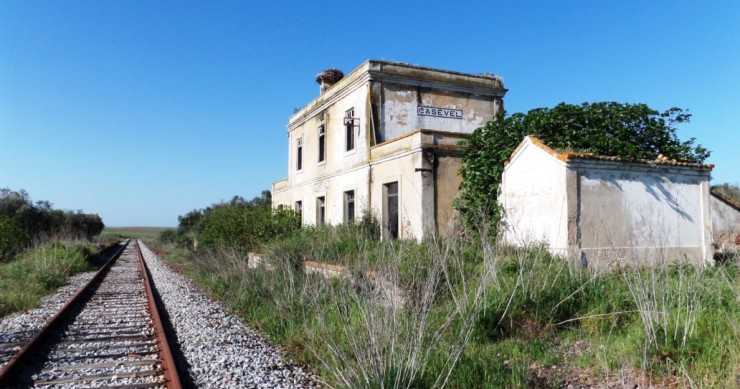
38, 272
476, 314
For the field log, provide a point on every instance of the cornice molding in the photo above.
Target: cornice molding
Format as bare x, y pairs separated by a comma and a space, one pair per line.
310, 112
437, 85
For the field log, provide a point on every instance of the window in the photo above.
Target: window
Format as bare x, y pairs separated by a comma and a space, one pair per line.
322, 148
299, 154
349, 129
349, 206
320, 211
299, 209
390, 211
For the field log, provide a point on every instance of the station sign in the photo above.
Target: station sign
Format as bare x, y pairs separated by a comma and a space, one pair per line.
440, 112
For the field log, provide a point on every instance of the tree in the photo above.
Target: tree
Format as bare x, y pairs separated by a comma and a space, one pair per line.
168, 236
628, 131
237, 224
41, 221
12, 238
190, 222
729, 190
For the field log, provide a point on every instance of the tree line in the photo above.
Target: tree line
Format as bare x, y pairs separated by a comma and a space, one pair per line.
23, 221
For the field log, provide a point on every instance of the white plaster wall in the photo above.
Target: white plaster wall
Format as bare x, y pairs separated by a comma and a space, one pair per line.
641, 214
337, 158
533, 195
281, 197
725, 223
332, 188
340, 171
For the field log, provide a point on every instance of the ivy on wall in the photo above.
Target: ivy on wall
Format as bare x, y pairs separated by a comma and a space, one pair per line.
628, 131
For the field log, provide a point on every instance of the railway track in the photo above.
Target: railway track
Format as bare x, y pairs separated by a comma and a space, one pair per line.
109, 335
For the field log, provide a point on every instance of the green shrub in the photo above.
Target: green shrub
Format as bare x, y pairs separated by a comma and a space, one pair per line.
41, 222
12, 238
237, 225
242, 227
38, 272
168, 236
730, 190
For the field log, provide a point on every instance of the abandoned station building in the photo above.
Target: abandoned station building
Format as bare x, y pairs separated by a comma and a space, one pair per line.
384, 139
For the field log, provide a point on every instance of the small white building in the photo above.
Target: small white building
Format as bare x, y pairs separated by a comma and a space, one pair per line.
603, 211
384, 139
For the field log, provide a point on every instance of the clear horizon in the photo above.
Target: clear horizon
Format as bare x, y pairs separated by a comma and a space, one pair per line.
143, 111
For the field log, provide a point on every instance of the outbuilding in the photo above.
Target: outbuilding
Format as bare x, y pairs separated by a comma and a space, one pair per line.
604, 211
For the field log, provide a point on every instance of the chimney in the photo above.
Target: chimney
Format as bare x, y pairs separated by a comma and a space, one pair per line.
327, 78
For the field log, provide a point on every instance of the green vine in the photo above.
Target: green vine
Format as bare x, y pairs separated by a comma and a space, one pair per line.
628, 131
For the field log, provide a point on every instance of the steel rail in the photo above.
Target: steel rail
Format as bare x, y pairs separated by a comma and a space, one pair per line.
18, 361
172, 379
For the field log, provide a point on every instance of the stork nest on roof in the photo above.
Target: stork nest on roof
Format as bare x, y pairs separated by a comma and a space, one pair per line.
329, 76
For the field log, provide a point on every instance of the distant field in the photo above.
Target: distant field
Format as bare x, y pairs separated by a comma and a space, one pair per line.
134, 232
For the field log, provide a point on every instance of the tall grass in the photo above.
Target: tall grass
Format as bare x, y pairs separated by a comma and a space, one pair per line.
473, 313
668, 300
376, 335
379, 324
39, 271
541, 292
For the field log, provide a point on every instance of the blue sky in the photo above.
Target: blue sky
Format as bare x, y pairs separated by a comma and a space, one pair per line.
141, 110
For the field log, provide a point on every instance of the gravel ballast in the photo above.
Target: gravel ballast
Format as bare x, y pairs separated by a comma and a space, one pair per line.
221, 352
18, 328
216, 348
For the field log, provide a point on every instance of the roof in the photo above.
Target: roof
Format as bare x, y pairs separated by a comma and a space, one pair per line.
725, 198
568, 156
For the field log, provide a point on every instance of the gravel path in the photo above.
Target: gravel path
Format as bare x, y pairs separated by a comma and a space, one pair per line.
220, 351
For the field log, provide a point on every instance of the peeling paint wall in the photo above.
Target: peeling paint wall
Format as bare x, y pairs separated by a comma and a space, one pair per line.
641, 214
447, 188
400, 103
725, 223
